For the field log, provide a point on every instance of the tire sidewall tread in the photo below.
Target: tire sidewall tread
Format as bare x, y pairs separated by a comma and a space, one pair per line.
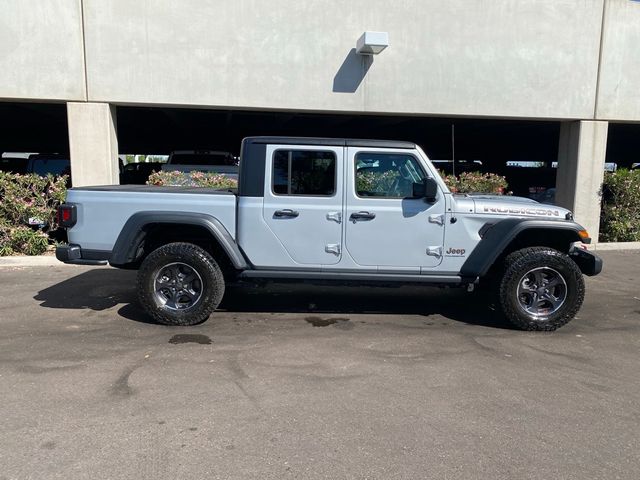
520, 262
196, 257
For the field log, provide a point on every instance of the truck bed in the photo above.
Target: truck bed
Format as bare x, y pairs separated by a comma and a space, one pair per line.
110, 206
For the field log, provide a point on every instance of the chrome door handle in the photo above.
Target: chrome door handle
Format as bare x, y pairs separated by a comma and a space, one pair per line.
362, 216
286, 213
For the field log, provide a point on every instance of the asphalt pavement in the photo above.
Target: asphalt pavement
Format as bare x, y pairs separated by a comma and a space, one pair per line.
304, 382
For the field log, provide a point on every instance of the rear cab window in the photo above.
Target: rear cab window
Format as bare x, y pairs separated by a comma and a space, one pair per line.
304, 172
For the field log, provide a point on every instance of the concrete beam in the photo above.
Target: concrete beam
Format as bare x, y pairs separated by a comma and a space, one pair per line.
581, 157
93, 144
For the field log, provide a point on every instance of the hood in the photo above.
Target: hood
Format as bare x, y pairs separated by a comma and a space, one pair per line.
517, 206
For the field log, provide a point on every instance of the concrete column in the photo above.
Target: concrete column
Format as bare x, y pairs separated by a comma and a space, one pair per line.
581, 156
93, 144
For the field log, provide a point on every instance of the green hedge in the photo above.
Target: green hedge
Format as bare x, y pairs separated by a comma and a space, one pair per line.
192, 179
476, 182
25, 198
620, 217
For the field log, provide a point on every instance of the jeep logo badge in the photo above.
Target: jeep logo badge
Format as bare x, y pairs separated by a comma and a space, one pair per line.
455, 252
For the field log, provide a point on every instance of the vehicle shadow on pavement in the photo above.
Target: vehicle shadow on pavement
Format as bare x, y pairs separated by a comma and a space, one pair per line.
96, 289
101, 289
453, 303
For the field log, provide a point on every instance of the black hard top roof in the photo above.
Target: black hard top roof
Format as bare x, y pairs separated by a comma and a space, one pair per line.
337, 142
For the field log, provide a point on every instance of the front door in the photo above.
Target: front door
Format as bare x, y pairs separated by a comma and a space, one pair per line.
303, 204
385, 226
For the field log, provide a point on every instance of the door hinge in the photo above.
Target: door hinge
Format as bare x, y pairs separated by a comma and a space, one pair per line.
434, 251
332, 248
335, 216
437, 218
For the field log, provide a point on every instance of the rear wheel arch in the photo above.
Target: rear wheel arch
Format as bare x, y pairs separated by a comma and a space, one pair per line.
145, 232
157, 235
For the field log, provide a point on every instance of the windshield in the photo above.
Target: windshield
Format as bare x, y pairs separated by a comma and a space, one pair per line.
54, 166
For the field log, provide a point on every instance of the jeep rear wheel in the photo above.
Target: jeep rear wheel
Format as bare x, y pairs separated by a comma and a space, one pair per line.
180, 284
541, 288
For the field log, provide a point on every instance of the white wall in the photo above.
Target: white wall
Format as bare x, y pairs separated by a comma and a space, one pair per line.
41, 50
518, 58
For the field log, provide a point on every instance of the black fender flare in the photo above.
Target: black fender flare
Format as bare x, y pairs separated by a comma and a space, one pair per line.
126, 247
497, 237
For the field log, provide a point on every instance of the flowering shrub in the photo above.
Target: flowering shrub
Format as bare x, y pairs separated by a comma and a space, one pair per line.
620, 217
22, 240
476, 182
28, 199
192, 179
375, 183
5, 240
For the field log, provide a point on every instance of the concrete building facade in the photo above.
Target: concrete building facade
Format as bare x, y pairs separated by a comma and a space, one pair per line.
572, 61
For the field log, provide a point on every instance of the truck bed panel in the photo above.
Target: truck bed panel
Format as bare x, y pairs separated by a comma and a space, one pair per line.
109, 207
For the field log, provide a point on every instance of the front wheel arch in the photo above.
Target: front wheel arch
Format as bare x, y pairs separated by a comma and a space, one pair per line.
501, 239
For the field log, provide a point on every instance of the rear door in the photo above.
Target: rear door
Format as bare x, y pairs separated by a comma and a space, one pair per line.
384, 226
303, 201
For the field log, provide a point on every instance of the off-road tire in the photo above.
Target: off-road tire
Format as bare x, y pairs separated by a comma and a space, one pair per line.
516, 266
212, 285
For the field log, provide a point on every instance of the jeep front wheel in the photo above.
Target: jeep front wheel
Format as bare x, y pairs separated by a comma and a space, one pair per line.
541, 289
180, 284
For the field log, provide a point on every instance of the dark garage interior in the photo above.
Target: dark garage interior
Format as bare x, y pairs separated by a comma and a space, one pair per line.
34, 127
37, 127
492, 142
623, 144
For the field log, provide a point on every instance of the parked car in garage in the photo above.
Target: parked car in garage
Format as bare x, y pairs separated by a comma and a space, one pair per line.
39, 163
137, 173
13, 165
49, 163
203, 161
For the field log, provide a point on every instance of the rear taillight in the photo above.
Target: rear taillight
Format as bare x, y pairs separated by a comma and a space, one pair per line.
67, 215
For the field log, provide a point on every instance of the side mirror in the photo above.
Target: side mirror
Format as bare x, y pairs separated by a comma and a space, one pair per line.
427, 189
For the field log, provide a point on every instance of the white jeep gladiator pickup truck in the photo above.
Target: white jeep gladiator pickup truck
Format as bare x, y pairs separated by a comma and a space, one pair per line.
321, 209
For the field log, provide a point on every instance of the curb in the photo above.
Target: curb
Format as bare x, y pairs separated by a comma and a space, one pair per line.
32, 261
609, 246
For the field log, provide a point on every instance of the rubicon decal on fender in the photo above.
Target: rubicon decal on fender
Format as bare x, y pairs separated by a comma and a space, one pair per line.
522, 211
